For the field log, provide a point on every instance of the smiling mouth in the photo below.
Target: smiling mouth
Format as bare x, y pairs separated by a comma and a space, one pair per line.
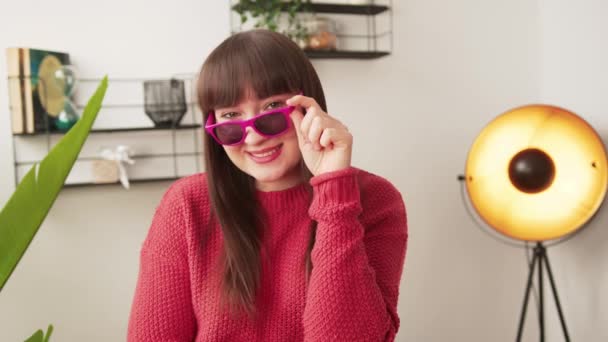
266, 155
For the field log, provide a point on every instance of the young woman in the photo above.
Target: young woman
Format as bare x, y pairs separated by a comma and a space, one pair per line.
281, 239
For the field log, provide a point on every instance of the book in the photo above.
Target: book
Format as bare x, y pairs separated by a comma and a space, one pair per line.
36, 97
16, 86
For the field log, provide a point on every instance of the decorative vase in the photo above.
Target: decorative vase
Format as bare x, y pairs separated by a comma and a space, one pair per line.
165, 102
67, 117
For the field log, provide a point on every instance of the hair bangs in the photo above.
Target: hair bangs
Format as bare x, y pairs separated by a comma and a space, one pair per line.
242, 67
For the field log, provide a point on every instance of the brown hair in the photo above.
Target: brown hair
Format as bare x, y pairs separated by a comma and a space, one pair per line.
267, 63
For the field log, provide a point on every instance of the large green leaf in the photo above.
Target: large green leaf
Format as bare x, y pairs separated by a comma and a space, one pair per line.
30, 203
49, 331
39, 337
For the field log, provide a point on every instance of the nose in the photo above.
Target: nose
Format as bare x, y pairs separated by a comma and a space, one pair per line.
253, 137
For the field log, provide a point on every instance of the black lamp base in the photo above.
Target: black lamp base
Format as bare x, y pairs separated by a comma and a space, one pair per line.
540, 257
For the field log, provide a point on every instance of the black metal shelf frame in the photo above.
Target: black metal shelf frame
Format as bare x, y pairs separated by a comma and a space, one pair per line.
118, 130
188, 78
131, 181
134, 157
370, 11
345, 54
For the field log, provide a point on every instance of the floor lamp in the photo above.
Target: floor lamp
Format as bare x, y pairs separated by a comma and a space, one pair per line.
537, 173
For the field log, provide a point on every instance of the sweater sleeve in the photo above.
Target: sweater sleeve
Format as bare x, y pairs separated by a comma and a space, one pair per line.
353, 289
162, 306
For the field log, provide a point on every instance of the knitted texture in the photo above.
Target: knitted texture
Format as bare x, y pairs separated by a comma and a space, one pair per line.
357, 261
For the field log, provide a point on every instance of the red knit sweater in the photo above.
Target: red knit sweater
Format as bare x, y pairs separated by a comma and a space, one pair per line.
357, 261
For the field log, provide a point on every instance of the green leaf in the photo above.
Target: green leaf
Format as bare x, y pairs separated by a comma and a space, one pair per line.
49, 331
30, 203
37, 337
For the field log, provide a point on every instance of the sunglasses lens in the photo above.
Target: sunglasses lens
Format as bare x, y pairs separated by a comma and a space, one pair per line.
229, 134
271, 124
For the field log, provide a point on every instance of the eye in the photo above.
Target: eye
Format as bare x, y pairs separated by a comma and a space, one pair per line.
275, 104
229, 115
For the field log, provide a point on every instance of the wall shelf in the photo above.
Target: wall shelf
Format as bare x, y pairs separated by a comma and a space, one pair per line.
166, 153
131, 181
352, 42
347, 9
345, 54
119, 130
134, 157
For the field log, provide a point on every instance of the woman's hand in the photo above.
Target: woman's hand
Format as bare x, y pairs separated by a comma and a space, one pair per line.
325, 143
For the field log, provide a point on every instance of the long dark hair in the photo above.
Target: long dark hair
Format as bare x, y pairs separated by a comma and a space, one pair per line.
267, 63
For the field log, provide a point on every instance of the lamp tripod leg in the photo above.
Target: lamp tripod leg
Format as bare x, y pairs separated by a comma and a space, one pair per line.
541, 252
526, 297
559, 307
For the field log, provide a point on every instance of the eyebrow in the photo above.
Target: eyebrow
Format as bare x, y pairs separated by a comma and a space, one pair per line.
265, 102
271, 100
274, 98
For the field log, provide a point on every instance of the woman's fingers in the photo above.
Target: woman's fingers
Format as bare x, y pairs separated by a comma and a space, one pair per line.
307, 122
315, 126
336, 137
297, 117
304, 101
314, 133
327, 137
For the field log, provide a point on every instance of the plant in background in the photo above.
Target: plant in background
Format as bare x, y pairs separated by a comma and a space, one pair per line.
33, 198
267, 14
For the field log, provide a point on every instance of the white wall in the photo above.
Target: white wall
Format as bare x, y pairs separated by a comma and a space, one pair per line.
574, 75
455, 65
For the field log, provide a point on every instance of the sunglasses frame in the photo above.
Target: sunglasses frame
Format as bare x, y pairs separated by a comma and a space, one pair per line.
211, 125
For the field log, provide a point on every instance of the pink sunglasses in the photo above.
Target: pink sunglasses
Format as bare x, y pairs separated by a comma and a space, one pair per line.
269, 124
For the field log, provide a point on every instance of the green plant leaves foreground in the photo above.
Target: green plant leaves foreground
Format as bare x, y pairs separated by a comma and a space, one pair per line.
39, 336
30, 203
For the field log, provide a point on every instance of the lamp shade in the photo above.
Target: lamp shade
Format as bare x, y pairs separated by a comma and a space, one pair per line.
537, 173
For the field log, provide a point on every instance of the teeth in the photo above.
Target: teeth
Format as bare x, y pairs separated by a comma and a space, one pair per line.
265, 154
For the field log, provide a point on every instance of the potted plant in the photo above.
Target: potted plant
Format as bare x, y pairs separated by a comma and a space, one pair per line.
268, 13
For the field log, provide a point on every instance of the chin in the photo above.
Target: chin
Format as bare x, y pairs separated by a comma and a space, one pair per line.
269, 173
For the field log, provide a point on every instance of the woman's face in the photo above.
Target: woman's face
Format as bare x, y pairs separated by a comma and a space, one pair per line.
273, 162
